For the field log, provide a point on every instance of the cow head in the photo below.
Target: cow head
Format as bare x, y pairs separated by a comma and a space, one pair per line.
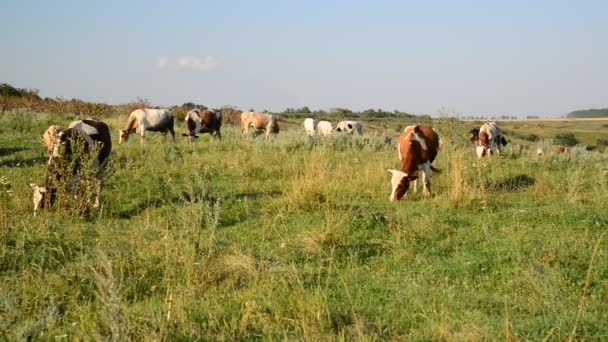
49, 137
400, 182
191, 129
190, 136
481, 151
123, 135
39, 196
474, 135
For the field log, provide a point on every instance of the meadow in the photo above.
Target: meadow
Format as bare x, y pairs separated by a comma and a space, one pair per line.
295, 238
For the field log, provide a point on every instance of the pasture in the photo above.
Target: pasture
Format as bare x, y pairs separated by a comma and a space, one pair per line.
295, 238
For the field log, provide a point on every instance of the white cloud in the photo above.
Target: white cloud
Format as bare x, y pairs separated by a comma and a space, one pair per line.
195, 63
162, 62
187, 62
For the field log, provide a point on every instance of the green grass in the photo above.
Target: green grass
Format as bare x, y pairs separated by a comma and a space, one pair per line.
295, 239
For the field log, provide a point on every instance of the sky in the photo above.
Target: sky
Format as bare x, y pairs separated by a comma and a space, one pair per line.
460, 58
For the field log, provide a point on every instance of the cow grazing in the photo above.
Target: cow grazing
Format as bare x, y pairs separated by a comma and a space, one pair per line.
324, 128
349, 127
48, 138
202, 121
142, 120
417, 148
310, 125
490, 139
259, 121
70, 147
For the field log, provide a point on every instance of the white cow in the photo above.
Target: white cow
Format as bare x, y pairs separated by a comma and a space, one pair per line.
324, 128
310, 125
349, 127
142, 120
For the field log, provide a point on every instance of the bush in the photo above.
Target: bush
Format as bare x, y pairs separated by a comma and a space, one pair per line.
602, 142
566, 139
530, 137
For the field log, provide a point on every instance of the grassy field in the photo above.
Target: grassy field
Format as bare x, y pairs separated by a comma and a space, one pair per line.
295, 238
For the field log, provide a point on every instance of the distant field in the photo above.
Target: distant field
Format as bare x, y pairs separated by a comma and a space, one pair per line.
295, 239
548, 119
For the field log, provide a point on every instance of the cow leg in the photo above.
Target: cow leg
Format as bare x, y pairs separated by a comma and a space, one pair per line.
172, 131
218, 134
427, 178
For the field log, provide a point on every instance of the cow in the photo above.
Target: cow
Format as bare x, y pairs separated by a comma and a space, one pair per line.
70, 146
490, 139
310, 125
202, 121
142, 120
324, 128
561, 149
417, 148
259, 121
349, 127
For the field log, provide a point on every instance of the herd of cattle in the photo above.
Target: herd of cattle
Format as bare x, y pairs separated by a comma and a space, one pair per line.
417, 146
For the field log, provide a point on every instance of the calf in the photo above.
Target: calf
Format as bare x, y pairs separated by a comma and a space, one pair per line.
310, 125
349, 127
417, 148
70, 146
202, 121
259, 121
142, 120
324, 128
490, 139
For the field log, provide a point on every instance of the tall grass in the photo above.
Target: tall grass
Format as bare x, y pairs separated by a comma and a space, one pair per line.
294, 238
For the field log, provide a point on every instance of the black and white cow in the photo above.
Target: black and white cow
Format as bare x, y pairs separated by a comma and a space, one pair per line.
69, 148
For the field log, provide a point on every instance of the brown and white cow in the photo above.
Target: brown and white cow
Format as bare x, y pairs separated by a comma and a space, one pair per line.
142, 120
490, 139
202, 121
417, 148
259, 121
70, 147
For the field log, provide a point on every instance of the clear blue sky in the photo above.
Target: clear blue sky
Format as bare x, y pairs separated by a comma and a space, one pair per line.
463, 57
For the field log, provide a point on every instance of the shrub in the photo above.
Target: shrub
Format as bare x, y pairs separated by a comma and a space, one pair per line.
566, 139
530, 137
